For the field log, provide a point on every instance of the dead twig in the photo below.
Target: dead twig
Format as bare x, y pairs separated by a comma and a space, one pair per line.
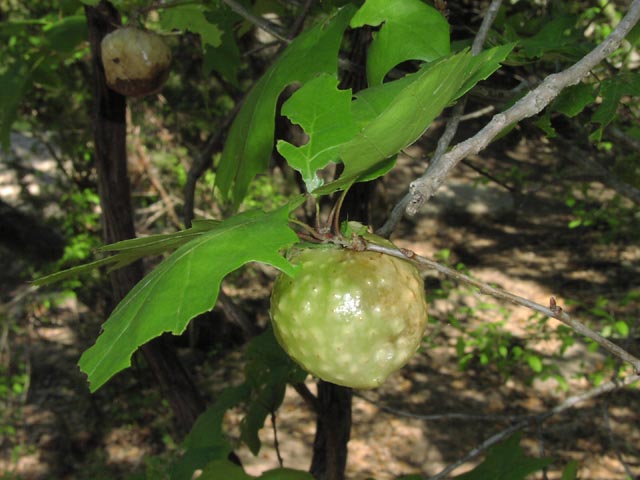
155, 181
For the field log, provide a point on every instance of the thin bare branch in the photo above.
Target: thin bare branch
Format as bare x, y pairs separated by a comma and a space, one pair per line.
449, 416
553, 311
298, 24
488, 19
565, 405
276, 443
535, 101
606, 177
257, 21
307, 396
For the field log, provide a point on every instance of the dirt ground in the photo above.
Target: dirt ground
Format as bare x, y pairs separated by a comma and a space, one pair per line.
53, 428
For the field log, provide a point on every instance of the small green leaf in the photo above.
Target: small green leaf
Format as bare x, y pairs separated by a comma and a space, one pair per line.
506, 461
402, 34
14, 82
206, 441
575, 223
267, 373
612, 90
225, 58
250, 140
194, 19
574, 99
185, 285
633, 37
543, 122
224, 469
622, 328
570, 472
558, 37
324, 112
535, 363
286, 474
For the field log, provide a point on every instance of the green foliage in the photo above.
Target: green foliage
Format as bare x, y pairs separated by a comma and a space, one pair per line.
246, 155
224, 58
614, 218
506, 461
14, 82
63, 36
35, 52
184, 285
556, 37
44, 58
324, 112
206, 441
612, 91
193, 18
570, 472
401, 36
394, 115
230, 471
267, 372
388, 117
574, 99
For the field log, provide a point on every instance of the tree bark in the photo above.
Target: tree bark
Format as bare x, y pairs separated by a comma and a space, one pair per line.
333, 429
117, 217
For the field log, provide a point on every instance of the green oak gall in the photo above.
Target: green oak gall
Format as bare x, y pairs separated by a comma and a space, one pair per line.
350, 318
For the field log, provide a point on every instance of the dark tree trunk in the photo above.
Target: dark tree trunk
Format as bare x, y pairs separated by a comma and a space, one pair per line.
333, 429
117, 217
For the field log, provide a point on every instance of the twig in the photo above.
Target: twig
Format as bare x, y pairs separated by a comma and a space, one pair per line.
489, 176
565, 405
439, 416
452, 124
488, 19
307, 396
276, 444
298, 24
541, 451
156, 182
606, 177
553, 311
236, 316
257, 21
612, 440
634, 143
536, 100
478, 113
